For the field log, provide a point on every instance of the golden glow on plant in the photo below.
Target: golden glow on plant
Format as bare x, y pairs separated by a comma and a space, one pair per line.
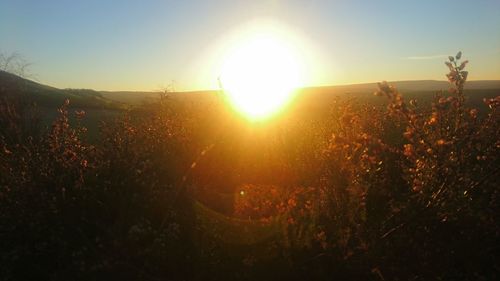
260, 75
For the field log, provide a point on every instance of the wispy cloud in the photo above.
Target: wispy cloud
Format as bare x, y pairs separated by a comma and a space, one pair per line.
432, 57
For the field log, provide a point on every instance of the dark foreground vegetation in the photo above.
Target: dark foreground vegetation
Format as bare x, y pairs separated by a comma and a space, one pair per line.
398, 189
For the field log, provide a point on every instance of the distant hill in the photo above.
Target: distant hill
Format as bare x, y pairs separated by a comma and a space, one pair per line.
130, 97
47, 96
412, 87
318, 99
405, 86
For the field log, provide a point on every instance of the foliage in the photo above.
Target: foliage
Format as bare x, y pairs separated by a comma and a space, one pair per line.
182, 190
420, 209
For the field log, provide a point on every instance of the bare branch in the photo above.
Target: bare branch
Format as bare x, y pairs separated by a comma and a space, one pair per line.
15, 64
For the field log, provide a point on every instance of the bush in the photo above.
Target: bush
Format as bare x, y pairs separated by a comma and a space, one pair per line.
402, 192
425, 207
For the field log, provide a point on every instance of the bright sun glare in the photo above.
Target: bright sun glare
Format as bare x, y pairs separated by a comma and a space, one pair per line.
260, 75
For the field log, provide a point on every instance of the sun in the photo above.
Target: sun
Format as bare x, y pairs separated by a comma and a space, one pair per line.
260, 75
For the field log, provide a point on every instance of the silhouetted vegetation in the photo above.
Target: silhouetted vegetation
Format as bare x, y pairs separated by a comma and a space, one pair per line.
372, 189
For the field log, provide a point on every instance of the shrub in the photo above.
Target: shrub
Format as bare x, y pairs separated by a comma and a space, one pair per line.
403, 192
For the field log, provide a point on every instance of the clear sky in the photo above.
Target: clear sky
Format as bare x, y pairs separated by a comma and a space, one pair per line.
147, 44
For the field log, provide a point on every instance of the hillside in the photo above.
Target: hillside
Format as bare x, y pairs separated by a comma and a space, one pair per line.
47, 96
411, 87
